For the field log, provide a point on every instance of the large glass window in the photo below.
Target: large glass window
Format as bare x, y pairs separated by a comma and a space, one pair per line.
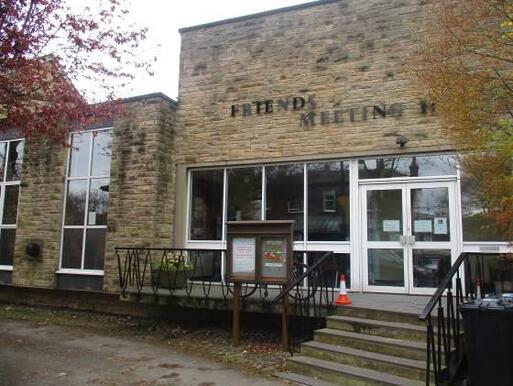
284, 195
328, 201
477, 225
420, 166
207, 205
245, 194
87, 200
11, 156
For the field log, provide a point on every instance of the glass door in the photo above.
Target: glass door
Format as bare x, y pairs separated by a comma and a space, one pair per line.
407, 236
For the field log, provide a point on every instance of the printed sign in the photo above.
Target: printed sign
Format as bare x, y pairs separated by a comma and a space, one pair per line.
244, 253
391, 226
274, 257
422, 226
440, 225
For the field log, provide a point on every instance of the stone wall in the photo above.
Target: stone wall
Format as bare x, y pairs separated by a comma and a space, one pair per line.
141, 202
40, 209
342, 57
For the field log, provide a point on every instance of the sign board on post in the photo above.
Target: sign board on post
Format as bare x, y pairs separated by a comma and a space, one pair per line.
259, 252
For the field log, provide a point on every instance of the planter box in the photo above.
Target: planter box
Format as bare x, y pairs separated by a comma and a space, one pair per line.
171, 279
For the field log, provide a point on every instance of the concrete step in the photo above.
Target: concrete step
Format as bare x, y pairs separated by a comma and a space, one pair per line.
399, 330
299, 379
340, 374
402, 367
378, 344
384, 315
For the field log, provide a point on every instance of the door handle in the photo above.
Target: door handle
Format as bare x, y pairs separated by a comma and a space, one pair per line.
402, 240
411, 240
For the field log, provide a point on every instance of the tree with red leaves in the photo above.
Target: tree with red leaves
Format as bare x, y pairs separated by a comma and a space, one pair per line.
46, 46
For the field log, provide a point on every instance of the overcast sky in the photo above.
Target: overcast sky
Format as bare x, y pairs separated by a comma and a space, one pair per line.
165, 17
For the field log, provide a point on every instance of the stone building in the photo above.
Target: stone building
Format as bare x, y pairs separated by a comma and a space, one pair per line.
305, 113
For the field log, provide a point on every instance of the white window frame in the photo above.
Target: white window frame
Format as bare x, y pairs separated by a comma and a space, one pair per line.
3, 184
85, 226
329, 197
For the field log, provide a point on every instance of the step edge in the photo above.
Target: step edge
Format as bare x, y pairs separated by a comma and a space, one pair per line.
373, 338
380, 323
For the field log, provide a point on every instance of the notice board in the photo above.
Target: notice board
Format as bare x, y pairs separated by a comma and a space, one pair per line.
259, 252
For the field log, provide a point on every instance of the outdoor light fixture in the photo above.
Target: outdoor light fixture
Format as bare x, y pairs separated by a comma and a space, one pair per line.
401, 140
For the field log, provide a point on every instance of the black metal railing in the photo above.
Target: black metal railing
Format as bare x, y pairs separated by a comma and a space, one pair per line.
312, 292
193, 273
444, 345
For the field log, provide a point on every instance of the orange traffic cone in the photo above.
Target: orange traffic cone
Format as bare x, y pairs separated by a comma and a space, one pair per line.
478, 288
343, 299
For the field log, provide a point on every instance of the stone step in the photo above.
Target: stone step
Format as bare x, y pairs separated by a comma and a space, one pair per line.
384, 315
379, 344
299, 379
340, 374
397, 330
402, 367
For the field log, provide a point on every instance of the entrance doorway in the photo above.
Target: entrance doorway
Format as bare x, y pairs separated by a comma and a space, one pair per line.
408, 235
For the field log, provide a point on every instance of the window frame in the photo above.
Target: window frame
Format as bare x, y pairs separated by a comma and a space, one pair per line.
85, 226
3, 184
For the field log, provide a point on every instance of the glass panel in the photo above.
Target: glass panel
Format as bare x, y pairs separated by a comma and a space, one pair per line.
328, 201
102, 153
14, 160
284, 200
80, 149
477, 226
207, 205
430, 267
3, 156
72, 248
333, 267
384, 215
207, 265
94, 248
7, 239
430, 214
98, 201
244, 194
11, 204
386, 267
439, 165
75, 202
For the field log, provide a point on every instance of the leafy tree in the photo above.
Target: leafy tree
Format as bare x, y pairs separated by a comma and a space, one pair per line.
45, 47
466, 65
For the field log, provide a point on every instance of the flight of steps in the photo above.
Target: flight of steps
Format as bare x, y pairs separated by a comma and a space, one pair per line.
362, 347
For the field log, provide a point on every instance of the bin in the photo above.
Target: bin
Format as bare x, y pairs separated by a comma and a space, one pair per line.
488, 326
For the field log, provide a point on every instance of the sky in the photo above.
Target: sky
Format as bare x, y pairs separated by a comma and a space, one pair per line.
163, 19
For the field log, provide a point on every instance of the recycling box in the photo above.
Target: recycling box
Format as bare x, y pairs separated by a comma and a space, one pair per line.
488, 326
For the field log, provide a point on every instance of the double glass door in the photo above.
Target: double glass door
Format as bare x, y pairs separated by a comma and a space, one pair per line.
408, 236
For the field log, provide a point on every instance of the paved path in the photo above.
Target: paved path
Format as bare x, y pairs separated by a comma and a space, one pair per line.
54, 355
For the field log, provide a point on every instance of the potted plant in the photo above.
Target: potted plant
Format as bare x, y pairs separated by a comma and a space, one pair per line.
172, 271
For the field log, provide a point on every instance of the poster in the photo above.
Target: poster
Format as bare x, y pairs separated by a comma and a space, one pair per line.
440, 225
274, 258
422, 226
391, 226
244, 253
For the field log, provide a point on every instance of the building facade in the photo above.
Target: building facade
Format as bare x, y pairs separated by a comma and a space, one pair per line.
307, 113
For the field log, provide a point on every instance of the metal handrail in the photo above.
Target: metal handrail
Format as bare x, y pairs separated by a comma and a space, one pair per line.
444, 284
302, 277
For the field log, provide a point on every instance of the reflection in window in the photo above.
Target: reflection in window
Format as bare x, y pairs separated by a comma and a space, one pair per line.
284, 195
245, 194
421, 166
332, 267
430, 214
11, 157
477, 225
328, 201
386, 267
384, 215
87, 200
207, 205
430, 267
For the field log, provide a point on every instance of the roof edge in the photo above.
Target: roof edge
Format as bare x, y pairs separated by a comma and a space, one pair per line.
255, 15
161, 95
